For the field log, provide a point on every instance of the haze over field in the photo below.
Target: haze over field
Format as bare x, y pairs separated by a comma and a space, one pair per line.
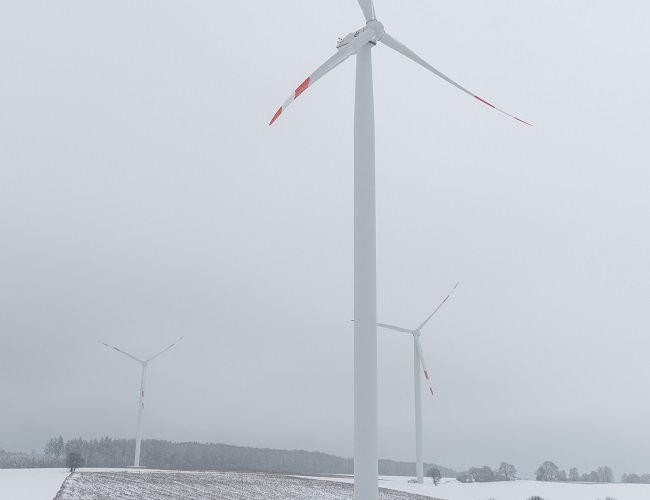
143, 197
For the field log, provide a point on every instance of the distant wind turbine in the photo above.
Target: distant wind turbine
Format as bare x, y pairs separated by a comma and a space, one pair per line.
360, 43
418, 360
144, 364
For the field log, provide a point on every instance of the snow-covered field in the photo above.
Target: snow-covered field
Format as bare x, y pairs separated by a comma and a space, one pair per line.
30, 484
450, 489
172, 485
94, 484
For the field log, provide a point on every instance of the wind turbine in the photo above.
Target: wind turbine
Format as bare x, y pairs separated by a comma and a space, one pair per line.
418, 361
360, 42
144, 364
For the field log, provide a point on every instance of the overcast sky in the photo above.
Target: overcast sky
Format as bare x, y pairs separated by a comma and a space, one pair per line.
144, 197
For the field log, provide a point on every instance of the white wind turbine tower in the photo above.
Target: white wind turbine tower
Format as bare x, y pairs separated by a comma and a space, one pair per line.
360, 42
418, 361
144, 364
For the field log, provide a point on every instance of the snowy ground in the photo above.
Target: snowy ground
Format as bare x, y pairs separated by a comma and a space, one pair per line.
102, 484
450, 489
30, 484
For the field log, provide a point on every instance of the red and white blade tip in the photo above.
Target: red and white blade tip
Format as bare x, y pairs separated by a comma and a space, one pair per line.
301, 88
494, 107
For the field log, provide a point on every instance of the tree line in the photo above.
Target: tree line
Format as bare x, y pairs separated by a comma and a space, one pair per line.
635, 478
485, 474
17, 460
548, 471
159, 454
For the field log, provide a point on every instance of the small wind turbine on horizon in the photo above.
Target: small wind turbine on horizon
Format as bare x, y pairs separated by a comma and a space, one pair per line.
144, 363
418, 362
360, 43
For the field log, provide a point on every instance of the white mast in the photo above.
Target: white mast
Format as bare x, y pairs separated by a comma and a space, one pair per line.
138, 435
419, 464
365, 289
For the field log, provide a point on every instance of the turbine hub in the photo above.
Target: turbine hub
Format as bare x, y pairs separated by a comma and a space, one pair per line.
377, 27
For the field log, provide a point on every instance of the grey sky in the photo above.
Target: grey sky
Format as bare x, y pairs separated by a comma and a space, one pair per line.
144, 197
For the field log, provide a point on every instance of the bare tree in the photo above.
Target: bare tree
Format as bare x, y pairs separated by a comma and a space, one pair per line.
548, 471
73, 460
507, 471
605, 474
465, 477
482, 474
434, 474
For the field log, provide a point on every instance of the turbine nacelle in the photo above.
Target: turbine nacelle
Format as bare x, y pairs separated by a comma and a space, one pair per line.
374, 29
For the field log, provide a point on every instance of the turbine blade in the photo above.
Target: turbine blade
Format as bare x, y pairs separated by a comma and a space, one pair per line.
405, 51
165, 349
124, 352
424, 366
448, 295
345, 51
368, 9
391, 327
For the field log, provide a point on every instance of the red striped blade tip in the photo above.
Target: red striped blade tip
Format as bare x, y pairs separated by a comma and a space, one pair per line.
484, 101
493, 106
275, 116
